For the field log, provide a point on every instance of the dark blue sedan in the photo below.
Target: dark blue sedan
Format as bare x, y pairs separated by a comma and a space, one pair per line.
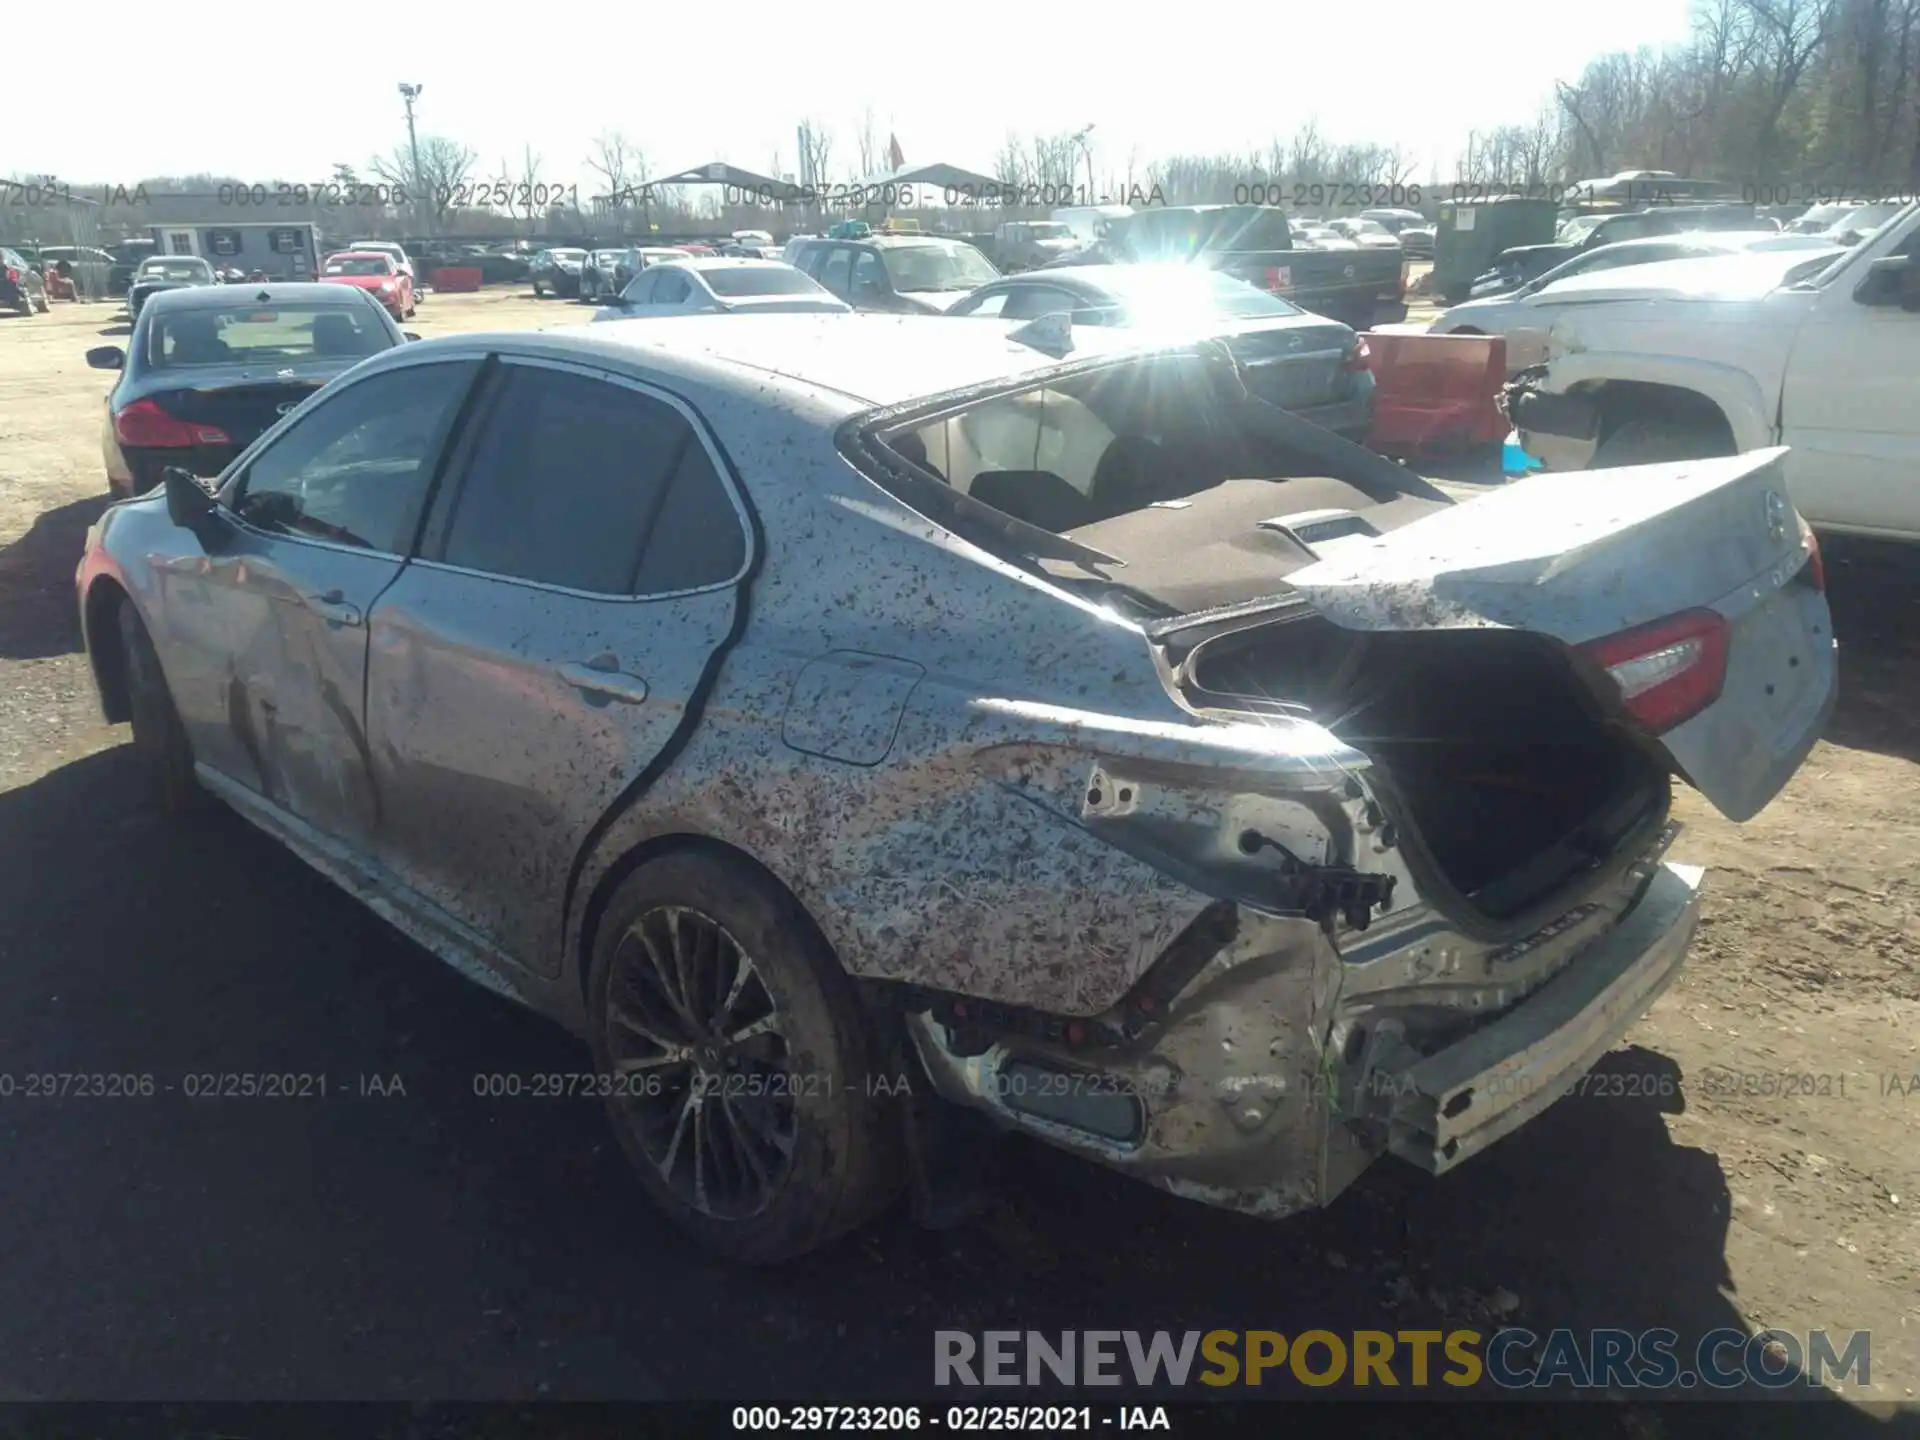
209, 368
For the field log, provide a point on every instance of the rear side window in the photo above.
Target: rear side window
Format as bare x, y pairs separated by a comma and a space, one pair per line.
574, 476
835, 273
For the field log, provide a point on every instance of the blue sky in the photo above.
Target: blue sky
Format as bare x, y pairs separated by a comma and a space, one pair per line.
268, 95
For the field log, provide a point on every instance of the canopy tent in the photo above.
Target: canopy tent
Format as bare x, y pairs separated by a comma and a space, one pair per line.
763, 187
938, 176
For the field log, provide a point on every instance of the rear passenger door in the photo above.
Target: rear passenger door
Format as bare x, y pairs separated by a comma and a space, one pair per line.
578, 574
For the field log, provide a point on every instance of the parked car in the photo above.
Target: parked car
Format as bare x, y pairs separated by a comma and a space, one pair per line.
1315, 367
1027, 244
376, 273
21, 287
556, 272
1414, 231
166, 272
1367, 234
87, 266
1318, 235
126, 256
607, 273
1857, 222
1820, 362
1524, 315
739, 693
719, 285
209, 368
897, 274
1361, 287
402, 261
1516, 266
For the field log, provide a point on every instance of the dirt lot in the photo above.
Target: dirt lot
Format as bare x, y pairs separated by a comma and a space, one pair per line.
438, 1244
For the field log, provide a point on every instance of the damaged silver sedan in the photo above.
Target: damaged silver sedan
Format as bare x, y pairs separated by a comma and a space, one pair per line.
789, 705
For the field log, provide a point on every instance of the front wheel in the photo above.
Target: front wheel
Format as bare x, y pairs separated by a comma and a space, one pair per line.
158, 736
740, 1064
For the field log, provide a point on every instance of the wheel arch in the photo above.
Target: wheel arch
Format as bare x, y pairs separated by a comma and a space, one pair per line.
1644, 387
648, 851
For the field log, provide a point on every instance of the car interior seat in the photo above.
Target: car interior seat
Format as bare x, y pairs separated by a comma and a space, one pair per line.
335, 335
1133, 472
1038, 497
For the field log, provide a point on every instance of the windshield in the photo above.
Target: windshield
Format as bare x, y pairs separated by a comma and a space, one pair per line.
1367, 227
1048, 230
359, 265
257, 335
940, 266
1173, 293
569, 254
736, 280
175, 269
1578, 228
1867, 219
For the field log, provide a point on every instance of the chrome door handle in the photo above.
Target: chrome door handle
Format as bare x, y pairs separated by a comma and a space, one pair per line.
331, 606
602, 676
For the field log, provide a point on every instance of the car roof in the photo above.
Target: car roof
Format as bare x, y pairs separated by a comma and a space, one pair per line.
729, 262
356, 254
214, 297
875, 360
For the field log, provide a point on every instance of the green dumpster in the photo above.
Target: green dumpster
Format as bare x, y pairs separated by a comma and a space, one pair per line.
1471, 232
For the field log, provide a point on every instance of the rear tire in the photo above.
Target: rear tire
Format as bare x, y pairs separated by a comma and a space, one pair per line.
158, 736
759, 1175
1656, 442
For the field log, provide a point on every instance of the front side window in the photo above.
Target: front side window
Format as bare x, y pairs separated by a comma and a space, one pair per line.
355, 470
571, 479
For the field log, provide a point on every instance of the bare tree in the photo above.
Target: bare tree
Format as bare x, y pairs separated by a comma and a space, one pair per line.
819, 141
866, 144
445, 167
621, 166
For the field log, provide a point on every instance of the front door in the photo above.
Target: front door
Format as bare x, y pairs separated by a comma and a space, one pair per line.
320, 522
1850, 410
575, 583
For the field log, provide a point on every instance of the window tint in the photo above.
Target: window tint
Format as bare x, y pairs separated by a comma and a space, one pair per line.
869, 277
986, 305
1031, 301
696, 539
565, 481
356, 470
670, 288
834, 273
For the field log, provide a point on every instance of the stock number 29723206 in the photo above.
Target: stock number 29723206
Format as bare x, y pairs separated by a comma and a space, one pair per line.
1326, 194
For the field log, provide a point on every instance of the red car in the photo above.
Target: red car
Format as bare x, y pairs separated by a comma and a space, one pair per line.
373, 271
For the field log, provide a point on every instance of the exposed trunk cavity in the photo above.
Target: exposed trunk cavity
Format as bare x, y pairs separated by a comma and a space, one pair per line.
1502, 773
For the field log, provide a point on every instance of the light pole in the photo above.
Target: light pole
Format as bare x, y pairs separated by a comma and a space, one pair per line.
410, 93
1086, 151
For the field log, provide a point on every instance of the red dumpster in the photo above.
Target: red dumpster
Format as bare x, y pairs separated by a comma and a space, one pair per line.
1436, 395
456, 279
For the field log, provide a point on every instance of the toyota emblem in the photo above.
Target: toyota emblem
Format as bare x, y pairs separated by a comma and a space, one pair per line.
1348, 272
285, 408
1776, 505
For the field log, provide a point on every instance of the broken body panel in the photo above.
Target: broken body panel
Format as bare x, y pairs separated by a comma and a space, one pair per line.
1176, 891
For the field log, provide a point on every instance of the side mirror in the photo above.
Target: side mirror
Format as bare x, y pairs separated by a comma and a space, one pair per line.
410, 334
107, 357
1891, 280
191, 506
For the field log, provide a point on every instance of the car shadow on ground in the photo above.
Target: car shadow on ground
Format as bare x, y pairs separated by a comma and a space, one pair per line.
1874, 589
38, 615
125, 327
404, 1233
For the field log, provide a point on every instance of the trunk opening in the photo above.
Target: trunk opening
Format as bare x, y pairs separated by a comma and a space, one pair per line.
1501, 767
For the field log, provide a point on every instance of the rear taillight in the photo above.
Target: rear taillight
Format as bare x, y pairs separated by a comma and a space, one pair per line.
13, 276
145, 424
1360, 357
1668, 671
